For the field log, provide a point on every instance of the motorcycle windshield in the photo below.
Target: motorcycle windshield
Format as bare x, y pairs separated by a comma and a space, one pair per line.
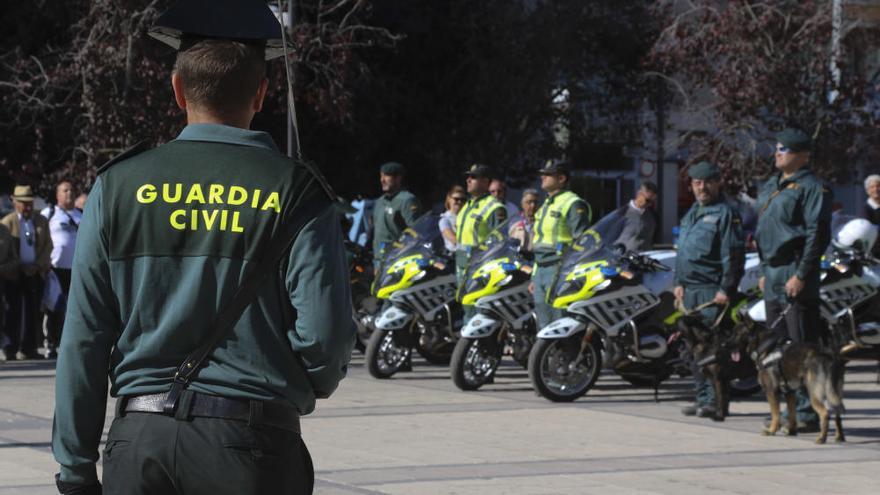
595, 244
422, 238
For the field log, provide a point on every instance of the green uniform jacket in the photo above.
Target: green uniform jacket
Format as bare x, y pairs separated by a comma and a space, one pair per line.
391, 215
155, 263
711, 248
578, 220
794, 229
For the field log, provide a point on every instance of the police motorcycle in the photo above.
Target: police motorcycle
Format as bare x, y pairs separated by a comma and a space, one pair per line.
496, 282
611, 300
848, 292
620, 311
416, 282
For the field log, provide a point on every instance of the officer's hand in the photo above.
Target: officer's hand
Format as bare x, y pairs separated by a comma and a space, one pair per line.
794, 286
761, 283
531, 288
678, 292
721, 298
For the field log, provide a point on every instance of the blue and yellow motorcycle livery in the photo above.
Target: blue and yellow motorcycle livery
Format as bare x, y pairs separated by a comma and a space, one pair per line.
496, 283
416, 285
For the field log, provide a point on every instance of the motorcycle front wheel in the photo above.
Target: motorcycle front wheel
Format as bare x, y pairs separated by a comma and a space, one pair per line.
386, 353
560, 371
474, 362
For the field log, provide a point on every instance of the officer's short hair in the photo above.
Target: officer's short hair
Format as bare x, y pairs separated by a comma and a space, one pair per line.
650, 187
220, 75
869, 179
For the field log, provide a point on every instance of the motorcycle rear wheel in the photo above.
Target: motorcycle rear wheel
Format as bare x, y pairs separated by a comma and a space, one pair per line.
474, 362
386, 353
560, 372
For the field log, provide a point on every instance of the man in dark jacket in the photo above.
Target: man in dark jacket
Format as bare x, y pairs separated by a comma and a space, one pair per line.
190, 221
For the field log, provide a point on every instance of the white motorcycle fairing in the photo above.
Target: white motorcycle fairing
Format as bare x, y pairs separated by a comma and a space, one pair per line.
562, 328
393, 318
480, 326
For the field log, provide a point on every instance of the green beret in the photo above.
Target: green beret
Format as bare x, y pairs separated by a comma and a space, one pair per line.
794, 139
704, 171
392, 168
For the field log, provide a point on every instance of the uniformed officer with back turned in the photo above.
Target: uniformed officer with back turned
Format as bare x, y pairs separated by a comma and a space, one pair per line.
476, 219
794, 229
173, 240
709, 264
394, 211
562, 218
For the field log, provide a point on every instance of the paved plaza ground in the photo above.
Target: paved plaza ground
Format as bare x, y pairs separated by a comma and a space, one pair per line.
418, 434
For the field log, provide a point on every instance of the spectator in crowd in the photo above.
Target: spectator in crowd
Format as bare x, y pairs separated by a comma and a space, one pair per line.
64, 220
455, 198
523, 228
24, 290
80, 203
872, 205
641, 223
498, 188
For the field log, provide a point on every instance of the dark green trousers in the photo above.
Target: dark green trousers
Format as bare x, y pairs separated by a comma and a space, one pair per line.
152, 454
693, 297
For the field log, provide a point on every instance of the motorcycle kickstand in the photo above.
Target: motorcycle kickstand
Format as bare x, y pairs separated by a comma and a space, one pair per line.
656, 390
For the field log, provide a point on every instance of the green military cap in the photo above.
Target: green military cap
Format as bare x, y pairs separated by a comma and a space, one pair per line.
554, 167
794, 139
479, 170
704, 171
392, 168
188, 21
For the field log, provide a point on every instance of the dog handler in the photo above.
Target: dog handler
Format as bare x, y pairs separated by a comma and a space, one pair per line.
709, 265
794, 229
171, 243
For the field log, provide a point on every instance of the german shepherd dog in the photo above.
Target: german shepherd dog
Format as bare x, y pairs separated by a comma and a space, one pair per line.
801, 365
722, 355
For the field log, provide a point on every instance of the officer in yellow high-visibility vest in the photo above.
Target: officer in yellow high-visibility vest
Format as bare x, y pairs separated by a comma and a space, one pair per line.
561, 219
476, 219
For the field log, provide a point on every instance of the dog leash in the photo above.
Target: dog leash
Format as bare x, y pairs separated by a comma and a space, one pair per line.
679, 305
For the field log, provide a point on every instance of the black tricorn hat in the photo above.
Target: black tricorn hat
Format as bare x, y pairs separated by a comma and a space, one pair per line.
248, 21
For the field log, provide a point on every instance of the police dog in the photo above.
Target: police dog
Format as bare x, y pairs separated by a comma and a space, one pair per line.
804, 365
721, 354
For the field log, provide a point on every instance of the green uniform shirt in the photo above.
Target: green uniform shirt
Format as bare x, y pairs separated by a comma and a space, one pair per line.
391, 215
711, 248
794, 229
577, 220
166, 237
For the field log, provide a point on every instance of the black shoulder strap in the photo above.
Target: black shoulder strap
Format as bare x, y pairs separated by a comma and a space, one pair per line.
246, 293
51, 212
130, 152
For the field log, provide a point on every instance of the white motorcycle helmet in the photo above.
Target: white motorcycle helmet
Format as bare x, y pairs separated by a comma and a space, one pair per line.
857, 234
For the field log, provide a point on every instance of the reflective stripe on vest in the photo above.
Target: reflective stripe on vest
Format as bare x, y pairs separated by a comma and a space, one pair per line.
471, 225
550, 225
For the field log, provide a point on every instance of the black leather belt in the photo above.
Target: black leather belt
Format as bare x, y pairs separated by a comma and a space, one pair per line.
253, 412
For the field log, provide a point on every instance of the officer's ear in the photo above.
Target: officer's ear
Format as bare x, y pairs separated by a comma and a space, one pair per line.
260, 96
177, 86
